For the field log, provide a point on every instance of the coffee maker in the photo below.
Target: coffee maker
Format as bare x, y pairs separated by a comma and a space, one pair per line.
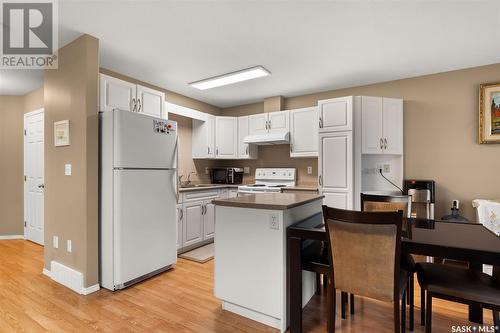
423, 197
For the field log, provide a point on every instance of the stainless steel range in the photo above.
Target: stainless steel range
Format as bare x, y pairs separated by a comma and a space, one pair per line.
269, 180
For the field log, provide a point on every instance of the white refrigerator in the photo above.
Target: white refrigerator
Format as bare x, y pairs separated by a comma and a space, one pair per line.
138, 197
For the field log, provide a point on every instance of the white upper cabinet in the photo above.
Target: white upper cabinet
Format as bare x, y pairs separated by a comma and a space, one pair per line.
272, 122
258, 123
304, 132
150, 101
116, 94
335, 114
393, 126
127, 96
203, 138
382, 125
279, 121
245, 150
371, 121
226, 137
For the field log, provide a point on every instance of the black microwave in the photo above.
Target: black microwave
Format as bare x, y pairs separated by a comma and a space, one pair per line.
227, 175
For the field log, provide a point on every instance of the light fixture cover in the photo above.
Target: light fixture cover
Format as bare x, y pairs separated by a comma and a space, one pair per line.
230, 78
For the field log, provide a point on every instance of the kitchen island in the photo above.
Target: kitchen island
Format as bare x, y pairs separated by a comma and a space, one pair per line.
250, 253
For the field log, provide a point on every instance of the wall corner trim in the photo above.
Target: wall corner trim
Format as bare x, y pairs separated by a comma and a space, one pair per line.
69, 278
5, 237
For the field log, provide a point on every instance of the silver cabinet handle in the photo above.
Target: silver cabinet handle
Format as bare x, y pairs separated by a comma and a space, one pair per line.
381, 143
208, 150
134, 105
217, 151
291, 148
385, 143
181, 213
320, 122
139, 102
267, 124
246, 149
320, 180
203, 209
270, 124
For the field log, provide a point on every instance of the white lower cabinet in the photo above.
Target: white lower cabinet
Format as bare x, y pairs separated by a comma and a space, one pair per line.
180, 216
340, 200
192, 223
208, 220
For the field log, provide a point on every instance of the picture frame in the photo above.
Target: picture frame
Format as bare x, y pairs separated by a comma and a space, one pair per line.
61, 133
489, 113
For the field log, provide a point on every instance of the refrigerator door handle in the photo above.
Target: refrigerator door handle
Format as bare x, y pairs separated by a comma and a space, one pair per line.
176, 173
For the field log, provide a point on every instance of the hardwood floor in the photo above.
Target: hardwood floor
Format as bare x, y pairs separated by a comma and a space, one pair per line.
180, 300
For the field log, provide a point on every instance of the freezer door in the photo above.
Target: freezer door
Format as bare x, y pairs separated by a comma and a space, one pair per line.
145, 227
139, 144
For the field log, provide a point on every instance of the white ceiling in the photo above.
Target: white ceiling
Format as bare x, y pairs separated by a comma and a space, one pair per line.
308, 46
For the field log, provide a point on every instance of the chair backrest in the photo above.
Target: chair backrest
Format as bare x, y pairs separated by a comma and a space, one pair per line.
496, 273
365, 251
386, 203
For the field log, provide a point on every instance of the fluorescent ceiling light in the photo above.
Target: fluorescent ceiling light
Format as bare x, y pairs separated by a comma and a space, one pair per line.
230, 78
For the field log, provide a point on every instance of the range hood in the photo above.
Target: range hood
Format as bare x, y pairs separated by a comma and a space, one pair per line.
281, 138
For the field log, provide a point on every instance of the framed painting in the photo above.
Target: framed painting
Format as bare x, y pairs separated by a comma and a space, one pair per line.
489, 113
61, 133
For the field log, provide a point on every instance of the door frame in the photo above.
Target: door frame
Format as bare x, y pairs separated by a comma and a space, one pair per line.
25, 117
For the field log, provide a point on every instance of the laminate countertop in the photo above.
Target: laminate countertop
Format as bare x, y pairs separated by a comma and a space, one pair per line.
274, 201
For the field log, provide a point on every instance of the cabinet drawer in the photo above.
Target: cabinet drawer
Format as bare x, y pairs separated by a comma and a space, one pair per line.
200, 195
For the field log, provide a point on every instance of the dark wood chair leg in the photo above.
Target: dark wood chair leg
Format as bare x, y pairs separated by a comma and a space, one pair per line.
412, 302
403, 312
422, 306
351, 303
318, 284
396, 316
496, 321
332, 305
428, 314
343, 301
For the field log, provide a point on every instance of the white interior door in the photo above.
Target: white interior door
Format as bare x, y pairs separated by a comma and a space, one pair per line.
33, 171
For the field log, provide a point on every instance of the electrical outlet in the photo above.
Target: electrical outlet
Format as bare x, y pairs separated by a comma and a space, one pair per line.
67, 169
207, 171
246, 170
379, 167
274, 222
387, 168
68, 245
309, 170
55, 242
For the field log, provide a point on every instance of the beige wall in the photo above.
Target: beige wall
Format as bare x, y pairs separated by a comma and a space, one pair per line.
71, 202
441, 120
186, 164
12, 109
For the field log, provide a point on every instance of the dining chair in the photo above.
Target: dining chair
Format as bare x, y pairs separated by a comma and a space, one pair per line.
459, 285
365, 251
389, 203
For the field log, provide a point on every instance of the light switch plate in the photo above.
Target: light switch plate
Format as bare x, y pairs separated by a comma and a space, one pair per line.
67, 169
68, 246
207, 170
309, 170
55, 242
246, 170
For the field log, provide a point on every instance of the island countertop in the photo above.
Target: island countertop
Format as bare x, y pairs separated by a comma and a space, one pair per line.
274, 201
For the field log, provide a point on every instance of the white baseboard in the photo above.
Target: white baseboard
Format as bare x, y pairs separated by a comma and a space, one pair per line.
3, 237
69, 278
254, 315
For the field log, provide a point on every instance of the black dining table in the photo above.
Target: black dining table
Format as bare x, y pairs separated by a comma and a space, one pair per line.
464, 241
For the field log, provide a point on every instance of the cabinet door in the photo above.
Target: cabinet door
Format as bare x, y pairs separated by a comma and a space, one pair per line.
192, 223
150, 101
340, 200
335, 114
371, 125
116, 94
336, 161
233, 193
304, 132
393, 126
209, 220
226, 137
257, 123
203, 138
279, 121
243, 130
211, 137
180, 217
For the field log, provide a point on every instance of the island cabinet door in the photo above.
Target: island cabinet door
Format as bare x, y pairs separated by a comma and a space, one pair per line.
192, 223
208, 220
